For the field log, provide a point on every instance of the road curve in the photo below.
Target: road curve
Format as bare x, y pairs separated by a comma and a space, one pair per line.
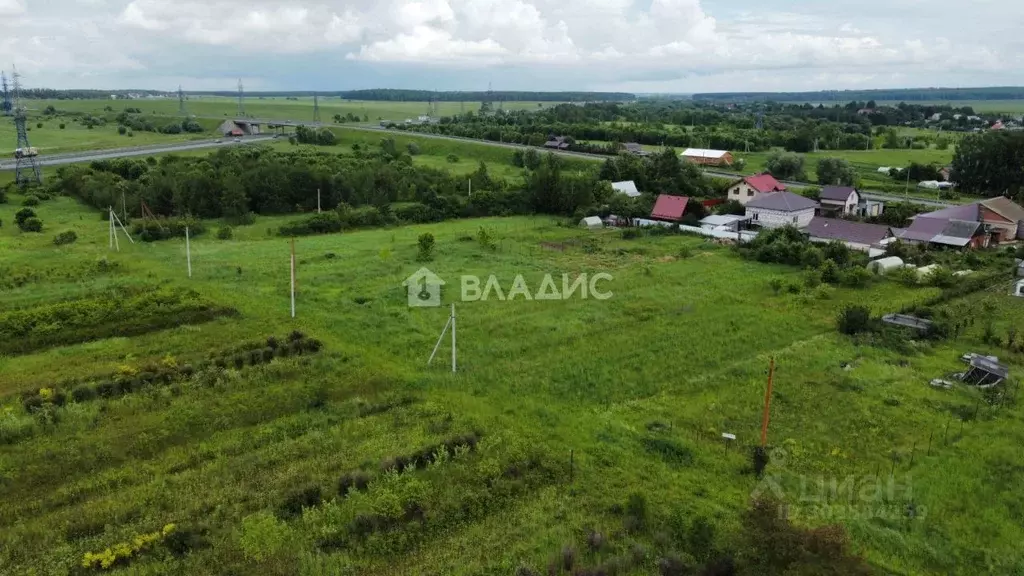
89, 156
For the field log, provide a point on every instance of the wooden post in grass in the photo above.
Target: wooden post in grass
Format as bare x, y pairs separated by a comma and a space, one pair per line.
293, 277
113, 230
767, 403
317, 200
188, 252
453, 337
912, 450
110, 227
930, 433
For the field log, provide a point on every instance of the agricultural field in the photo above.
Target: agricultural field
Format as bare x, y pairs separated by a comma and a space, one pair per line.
279, 108
241, 440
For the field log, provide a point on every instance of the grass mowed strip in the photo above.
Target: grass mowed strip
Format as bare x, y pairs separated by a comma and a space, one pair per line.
119, 312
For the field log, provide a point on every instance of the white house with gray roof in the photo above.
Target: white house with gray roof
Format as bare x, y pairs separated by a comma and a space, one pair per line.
779, 209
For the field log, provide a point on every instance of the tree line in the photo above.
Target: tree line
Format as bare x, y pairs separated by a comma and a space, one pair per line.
990, 93
394, 95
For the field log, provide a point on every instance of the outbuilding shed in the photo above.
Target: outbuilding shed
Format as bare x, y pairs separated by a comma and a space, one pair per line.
885, 265
591, 222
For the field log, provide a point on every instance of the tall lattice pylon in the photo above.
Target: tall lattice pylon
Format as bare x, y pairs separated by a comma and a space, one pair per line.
181, 102
26, 170
241, 99
316, 108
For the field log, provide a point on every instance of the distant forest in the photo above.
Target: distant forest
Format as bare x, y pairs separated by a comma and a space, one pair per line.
497, 96
901, 94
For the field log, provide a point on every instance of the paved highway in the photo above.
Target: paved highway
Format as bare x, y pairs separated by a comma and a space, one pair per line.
89, 156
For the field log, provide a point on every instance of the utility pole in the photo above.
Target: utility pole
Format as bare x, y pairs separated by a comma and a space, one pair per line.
241, 99
181, 102
316, 108
767, 403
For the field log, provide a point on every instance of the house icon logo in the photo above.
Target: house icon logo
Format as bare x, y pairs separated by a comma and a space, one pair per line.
424, 289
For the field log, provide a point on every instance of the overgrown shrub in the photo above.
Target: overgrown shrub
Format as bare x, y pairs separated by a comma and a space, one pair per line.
425, 244
307, 497
322, 223
66, 237
22, 215
32, 225
224, 233
856, 277
30, 200
854, 319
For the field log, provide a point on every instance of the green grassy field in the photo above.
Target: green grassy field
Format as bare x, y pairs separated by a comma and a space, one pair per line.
280, 108
634, 390
51, 139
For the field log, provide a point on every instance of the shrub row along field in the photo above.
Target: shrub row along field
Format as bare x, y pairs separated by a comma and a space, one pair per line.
602, 419
120, 311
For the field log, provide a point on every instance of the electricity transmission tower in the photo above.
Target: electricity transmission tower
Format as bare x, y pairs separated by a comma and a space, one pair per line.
181, 102
241, 99
26, 169
8, 108
316, 108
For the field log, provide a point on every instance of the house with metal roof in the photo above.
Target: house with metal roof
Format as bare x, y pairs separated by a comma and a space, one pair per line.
627, 187
778, 209
669, 208
856, 235
557, 142
838, 200
707, 156
999, 218
749, 187
951, 233
635, 149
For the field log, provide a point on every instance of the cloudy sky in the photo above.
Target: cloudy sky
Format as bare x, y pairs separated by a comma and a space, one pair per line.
631, 45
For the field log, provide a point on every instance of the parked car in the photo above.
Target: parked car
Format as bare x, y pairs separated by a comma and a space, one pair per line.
238, 139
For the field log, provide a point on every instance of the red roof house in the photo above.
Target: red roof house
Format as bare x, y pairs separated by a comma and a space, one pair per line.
669, 207
748, 188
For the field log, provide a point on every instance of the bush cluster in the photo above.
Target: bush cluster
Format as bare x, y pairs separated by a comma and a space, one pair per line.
150, 230
27, 220
130, 379
122, 311
66, 237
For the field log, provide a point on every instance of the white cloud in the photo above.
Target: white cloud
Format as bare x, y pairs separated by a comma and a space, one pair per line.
581, 44
12, 7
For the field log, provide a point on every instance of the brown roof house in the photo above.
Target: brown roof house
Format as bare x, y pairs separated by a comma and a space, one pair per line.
856, 235
707, 156
999, 217
779, 209
839, 200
